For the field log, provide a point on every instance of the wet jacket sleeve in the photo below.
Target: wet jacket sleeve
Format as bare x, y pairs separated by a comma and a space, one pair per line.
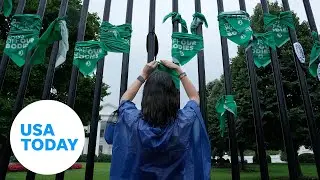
201, 149
108, 133
125, 108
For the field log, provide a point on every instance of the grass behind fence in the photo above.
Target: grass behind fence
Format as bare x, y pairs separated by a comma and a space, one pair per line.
101, 172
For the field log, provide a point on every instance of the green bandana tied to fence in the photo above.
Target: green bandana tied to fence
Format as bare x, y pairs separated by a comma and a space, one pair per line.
115, 38
261, 44
185, 46
23, 37
174, 75
235, 26
63, 44
198, 19
52, 34
86, 56
315, 54
225, 103
7, 7
279, 26
177, 17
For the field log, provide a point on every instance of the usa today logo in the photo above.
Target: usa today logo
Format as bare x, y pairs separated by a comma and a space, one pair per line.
47, 137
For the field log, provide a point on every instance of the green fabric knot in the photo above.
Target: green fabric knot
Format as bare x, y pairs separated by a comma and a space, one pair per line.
23, 37
115, 38
198, 19
225, 103
235, 26
315, 54
7, 7
52, 34
174, 75
261, 44
279, 25
177, 17
185, 46
86, 56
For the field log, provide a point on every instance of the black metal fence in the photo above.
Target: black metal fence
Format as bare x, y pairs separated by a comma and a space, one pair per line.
152, 52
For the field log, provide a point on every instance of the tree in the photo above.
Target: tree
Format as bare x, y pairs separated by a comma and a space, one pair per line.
85, 86
267, 92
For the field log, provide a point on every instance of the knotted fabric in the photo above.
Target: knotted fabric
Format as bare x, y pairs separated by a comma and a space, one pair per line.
86, 56
7, 7
315, 54
177, 17
185, 46
261, 44
279, 25
63, 44
235, 26
115, 38
52, 34
198, 19
23, 37
174, 75
225, 103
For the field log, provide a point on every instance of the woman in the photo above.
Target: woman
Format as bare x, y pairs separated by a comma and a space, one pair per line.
160, 142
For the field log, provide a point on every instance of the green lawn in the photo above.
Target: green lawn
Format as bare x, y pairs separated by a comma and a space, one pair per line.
101, 171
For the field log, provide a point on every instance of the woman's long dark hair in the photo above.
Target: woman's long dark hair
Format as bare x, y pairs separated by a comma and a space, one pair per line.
161, 99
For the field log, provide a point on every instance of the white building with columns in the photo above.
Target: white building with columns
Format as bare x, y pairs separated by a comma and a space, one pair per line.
101, 145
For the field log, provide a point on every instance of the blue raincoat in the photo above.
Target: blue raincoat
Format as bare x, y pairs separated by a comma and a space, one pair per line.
181, 151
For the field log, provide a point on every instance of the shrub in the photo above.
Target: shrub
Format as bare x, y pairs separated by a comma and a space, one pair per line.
256, 160
13, 159
306, 158
76, 166
104, 158
16, 167
100, 158
82, 158
283, 156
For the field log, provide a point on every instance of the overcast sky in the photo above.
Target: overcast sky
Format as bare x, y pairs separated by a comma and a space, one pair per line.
140, 22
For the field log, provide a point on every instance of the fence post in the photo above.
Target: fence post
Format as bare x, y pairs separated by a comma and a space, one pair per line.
50, 71
125, 56
1, 4
151, 39
53, 57
75, 70
201, 72
264, 174
175, 8
5, 58
313, 130
282, 107
96, 106
5, 157
228, 91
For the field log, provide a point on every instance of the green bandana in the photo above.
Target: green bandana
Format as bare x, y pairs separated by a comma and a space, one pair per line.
261, 44
235, 26
174, 75
177, 17
52, 34
7, 7
315, 54
185, 47
225, 103
115, 38
23, 37
198, 19
280, 25
86, 56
